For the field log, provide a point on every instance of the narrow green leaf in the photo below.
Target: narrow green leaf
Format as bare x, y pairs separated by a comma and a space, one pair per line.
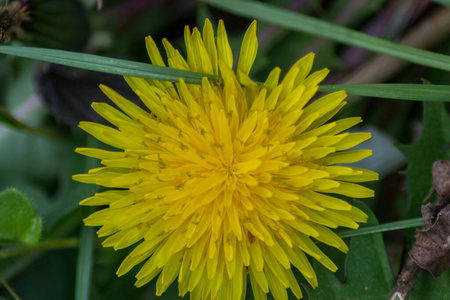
313, 26
18, 220
86, 248
104, 64
417, 92
84, 263
412, 223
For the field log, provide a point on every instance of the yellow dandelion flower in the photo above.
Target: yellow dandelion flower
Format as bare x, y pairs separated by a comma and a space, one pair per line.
228, 178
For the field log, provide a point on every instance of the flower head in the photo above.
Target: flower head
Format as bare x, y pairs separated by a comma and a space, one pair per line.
228, 178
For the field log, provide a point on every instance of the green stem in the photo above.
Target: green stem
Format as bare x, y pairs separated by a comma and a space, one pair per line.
47, 245
9, 120
10, 290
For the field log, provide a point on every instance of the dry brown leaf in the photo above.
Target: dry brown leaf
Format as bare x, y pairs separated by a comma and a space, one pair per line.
431, 251
441, 177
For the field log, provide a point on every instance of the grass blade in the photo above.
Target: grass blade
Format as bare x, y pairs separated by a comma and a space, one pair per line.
84, 263
416, 92
417, 222
313, 26
103, 64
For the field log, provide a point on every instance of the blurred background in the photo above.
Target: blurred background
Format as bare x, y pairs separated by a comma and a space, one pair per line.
41, 104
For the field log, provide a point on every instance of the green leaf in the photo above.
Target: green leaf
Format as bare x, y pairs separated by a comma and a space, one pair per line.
18, 220
428, 287
417, 92
310, 25
29, 187
104, 64
431, 146
367, 270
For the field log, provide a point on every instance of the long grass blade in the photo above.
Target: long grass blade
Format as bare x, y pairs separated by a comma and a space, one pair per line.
103, 64
313, 26
84, 263
382, 228
416, 92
